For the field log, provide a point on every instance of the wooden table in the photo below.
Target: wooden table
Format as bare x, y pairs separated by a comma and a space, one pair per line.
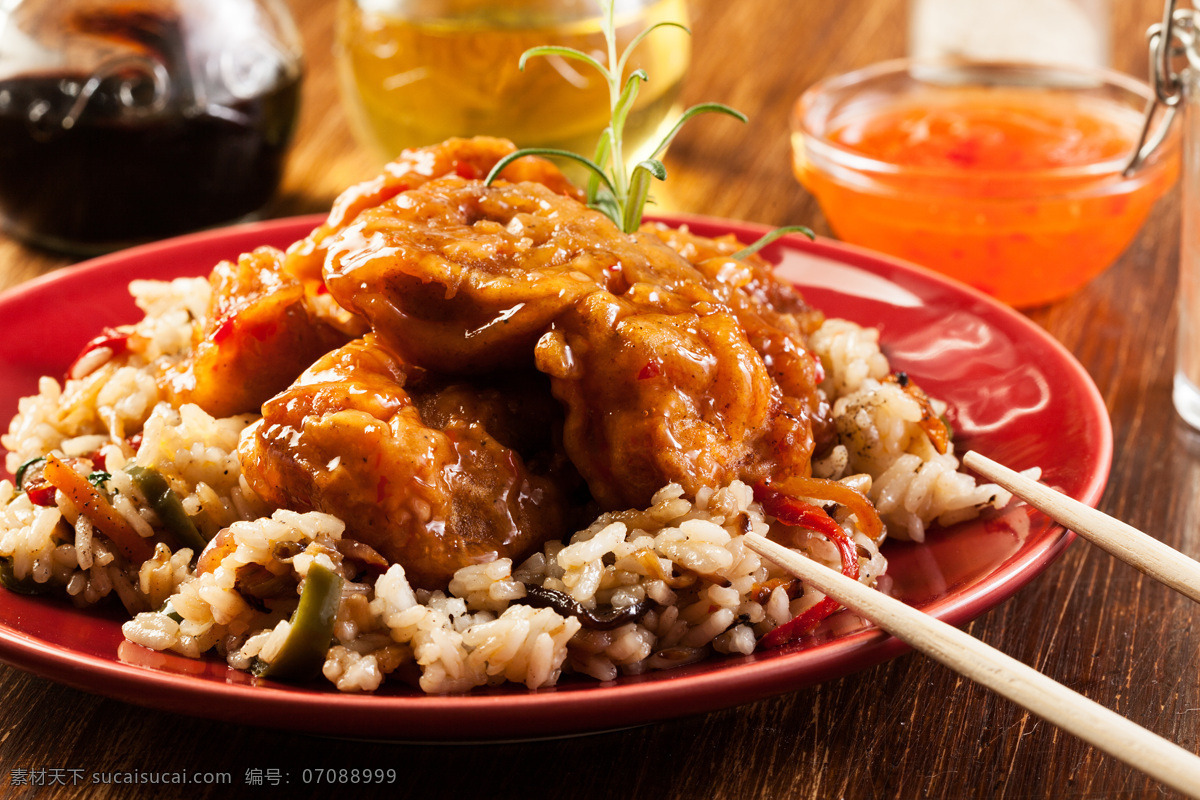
906, 728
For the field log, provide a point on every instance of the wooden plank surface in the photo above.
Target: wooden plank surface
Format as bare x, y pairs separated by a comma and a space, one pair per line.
908, 728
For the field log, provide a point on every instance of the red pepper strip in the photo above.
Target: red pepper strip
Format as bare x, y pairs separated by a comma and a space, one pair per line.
652, 369
465, 169
934, 426
800, 625
41, 492
113, 339
834, 492
818, 367
797, 513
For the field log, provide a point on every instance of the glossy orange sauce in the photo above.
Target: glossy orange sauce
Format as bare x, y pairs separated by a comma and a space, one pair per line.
990, 187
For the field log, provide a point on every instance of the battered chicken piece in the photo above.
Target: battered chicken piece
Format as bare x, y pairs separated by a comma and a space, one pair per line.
262, 330
670, 361
749, 281
414, 467
776, 318
464, 277
667, 373
266, 323
466, 158
655, 398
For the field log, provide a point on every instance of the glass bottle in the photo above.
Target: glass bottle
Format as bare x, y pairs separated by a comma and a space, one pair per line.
123, 121
415, 72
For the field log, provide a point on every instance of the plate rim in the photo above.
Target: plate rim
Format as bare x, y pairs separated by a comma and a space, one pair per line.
757, 676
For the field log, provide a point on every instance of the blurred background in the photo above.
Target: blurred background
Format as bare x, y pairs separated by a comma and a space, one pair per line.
836, 37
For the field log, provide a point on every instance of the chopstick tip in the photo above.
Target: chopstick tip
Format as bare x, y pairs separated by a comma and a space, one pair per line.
971, 458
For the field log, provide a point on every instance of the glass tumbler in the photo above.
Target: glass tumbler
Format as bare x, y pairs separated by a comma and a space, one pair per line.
1074, 32
1184, 89
416, 72
123, 121
1187, 361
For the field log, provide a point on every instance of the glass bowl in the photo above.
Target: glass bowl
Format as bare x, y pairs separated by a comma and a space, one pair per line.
1008, 177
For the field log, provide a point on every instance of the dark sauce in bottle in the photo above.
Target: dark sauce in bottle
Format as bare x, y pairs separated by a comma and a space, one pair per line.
138, 149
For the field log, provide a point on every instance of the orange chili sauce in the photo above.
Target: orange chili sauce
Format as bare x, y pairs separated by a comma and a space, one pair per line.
988, 186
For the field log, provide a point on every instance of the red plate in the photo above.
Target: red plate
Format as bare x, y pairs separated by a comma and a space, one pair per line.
1015, 394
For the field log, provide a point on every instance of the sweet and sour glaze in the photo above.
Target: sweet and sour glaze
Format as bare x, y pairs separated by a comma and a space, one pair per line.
498, 310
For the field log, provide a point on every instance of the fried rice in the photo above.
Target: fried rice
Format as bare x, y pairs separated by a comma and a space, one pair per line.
650, 588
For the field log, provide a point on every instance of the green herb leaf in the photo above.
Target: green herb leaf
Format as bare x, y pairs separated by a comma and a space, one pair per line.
21, 470
767, 238
565, 52
601, 159
610, 189
637, 40
702, 108
606, 204
625, 102
639, 190
596, 169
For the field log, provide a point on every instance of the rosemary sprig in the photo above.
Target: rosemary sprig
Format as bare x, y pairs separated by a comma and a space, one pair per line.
621, 196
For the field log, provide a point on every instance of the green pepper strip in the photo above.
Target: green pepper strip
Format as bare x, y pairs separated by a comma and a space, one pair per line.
170, 611
304, 649
21, 470
26, 585
167, 505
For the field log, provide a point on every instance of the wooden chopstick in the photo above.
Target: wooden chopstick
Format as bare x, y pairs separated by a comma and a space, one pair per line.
1144, 552
1074, 713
